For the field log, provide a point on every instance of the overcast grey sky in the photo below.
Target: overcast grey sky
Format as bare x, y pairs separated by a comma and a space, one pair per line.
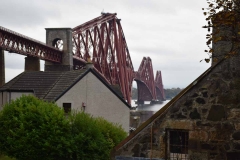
168, 31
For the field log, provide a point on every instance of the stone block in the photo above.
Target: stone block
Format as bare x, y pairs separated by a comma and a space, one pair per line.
195, 114
236, 146
198, 155
200, 100
236, 135
188, 103
153, 153
179, 124
237, 126
136, 150
216, 113
205, 94
234, 114
193, 144
198, 134
205, 146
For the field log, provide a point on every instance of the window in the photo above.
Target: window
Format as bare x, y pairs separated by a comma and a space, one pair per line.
67, 107
177, 144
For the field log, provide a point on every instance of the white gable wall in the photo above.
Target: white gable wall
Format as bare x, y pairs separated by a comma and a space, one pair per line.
99, 100
8, 96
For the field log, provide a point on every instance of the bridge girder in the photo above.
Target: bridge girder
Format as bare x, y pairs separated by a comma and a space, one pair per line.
145, 75
102, 42
18, 43
159, 86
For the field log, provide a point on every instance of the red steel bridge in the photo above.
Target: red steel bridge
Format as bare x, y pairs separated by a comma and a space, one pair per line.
100, 41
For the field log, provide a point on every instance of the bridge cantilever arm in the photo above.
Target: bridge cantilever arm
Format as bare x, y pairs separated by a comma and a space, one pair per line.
16, 42
96, 21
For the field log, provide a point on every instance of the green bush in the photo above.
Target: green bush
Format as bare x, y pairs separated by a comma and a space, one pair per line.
94, 138
34, 129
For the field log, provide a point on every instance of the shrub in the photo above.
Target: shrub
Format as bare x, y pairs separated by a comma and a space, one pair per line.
93, 138
33, 129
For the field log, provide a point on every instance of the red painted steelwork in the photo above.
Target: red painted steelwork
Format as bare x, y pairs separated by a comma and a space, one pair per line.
102, 42
145, 76
159, 86
17, 43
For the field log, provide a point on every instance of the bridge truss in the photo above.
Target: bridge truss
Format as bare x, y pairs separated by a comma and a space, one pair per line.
159, 86
102, 42
18, 43
145, 81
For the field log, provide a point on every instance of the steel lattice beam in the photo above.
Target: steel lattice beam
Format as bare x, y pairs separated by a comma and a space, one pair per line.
145, 75
102, 42
159, 85
17, 43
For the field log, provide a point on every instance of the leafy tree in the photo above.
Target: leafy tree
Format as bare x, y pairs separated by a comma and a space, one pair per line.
113, 133
223, 15
93, 138
33, 129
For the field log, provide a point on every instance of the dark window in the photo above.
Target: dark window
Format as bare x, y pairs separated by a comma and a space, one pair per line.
177, 144
67, 107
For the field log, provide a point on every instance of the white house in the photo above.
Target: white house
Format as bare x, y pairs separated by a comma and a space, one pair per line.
73, 90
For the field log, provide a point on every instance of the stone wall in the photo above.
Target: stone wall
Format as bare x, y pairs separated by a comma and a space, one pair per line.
209, 111
135, 158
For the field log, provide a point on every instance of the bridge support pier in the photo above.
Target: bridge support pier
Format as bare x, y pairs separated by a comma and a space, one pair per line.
2, 68
32, 64
62, 37
141, 102
156, 102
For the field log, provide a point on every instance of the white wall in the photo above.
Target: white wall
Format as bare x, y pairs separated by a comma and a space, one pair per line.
99, 100
7, 96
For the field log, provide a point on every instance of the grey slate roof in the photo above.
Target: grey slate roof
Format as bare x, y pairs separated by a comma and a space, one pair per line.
51, 85
45, 85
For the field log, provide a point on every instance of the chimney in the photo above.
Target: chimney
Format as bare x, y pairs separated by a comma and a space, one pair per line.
32, 64
89, 63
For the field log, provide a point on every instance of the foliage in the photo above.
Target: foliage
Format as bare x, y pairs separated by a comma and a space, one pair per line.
113, 133
2, 157
169, 93
93, 138
34, 129
224, 13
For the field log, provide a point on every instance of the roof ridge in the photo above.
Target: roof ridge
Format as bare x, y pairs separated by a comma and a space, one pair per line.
59, 78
